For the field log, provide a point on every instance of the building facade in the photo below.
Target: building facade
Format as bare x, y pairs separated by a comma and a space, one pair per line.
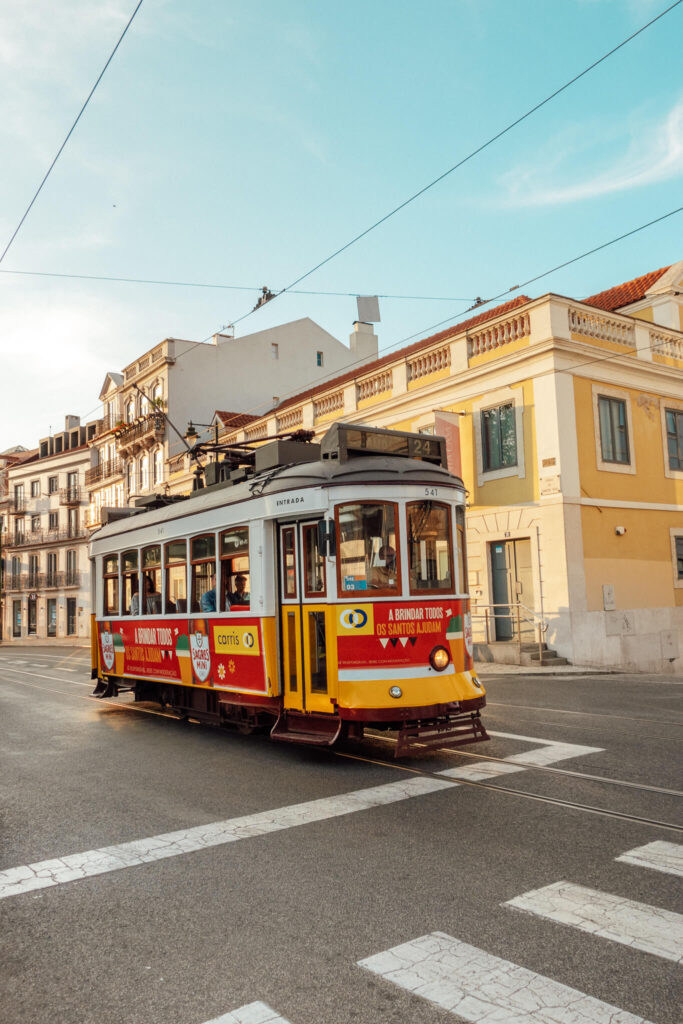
47, 574
570, 423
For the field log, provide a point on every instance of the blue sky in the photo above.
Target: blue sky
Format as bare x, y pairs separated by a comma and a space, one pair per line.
241, 142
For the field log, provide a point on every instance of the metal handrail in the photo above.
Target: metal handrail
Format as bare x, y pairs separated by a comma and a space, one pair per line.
514, 609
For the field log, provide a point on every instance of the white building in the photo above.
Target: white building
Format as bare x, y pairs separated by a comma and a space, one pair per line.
47, 575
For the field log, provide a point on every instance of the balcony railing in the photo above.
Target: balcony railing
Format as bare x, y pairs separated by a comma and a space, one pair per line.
104, 470
13, 581
376, 385
290, 420
70, 495
40, 537
144, 431
429, 362
328, 404
604, 328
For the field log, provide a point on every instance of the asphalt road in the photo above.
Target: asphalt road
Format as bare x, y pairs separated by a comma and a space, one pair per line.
279, 909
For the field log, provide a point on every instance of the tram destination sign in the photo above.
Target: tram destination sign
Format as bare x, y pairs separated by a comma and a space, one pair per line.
345, 441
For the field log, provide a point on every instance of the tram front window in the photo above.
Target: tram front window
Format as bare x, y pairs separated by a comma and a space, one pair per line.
430, 552
368, 547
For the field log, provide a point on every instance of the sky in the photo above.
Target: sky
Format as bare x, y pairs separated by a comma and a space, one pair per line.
241, 142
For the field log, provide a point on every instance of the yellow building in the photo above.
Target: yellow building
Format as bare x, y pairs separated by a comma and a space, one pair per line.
570, 419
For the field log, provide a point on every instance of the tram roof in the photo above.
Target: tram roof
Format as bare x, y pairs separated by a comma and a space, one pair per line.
376, 469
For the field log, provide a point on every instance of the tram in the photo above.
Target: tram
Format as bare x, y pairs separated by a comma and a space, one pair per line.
316, 590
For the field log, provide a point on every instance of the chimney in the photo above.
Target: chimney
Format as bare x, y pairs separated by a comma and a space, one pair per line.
363, 342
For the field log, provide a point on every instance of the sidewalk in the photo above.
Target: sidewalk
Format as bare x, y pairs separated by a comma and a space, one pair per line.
493, 668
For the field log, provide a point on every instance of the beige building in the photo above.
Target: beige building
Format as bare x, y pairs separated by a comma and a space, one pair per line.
47, 573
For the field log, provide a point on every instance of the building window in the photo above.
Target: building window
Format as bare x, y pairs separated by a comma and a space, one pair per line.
51, 580
130, 411
674, 438
35, 524
33, 571
318, 359
677, 556
613, 430
53, 521
52, 485
35, 488
274, 350
52, 616
144, 473
158, 466
71, 579
498, 438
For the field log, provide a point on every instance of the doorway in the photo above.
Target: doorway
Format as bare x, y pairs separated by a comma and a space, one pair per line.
512, 582
307, 684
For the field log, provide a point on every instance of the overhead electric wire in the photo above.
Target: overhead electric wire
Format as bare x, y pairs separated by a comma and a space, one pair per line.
70, 132
465, 159
425, 331
228, 287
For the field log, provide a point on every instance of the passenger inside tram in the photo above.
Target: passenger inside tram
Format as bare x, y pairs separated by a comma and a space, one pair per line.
152, 595
240, 595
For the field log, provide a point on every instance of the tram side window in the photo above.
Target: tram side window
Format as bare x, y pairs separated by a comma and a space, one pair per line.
151, 580
203, 558
314, 563
368, 548
176, 577
235, 591
111, 585
461, 578
129, 572
430, 550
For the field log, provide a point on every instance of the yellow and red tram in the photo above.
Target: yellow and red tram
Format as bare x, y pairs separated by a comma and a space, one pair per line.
318, 592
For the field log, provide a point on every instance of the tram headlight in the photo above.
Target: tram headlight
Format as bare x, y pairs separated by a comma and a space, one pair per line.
439, 659
395, 691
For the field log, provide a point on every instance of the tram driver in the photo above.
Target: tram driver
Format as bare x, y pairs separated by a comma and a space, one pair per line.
384, 573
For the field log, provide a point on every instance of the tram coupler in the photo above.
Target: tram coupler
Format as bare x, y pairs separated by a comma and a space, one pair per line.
444, 732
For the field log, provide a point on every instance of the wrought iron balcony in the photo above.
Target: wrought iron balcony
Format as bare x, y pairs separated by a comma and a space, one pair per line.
13, 581
143, 433
103, 471
70, 496
38, 538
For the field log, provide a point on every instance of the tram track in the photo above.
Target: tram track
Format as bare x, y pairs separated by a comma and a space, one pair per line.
415, 770
555, 801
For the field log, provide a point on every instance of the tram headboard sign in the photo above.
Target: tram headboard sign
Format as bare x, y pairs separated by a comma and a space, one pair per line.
345, 441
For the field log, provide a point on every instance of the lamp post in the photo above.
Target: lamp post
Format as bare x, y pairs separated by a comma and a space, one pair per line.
191, 434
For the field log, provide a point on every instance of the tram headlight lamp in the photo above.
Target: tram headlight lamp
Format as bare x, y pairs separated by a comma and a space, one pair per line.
439, 659
395, 691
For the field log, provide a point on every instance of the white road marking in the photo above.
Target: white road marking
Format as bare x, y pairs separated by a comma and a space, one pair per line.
611, 917
479, 987
659, 856
172, 844
547, 754
253, 1013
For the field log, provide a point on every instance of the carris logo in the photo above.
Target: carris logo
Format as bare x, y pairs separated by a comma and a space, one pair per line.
353, 618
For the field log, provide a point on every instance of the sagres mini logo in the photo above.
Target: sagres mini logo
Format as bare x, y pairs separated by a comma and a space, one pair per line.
201, 655
356, 620
107, 650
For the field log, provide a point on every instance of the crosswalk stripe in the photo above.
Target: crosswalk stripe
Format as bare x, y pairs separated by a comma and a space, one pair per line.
477, 987
548, 753
611, 917
252, 1013
659, 856
75, 866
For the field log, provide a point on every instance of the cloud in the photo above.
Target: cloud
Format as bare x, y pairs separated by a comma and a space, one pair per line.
652, 154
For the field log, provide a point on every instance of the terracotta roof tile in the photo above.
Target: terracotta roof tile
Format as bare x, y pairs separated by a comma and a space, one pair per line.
363, 369
625, 294
235, 420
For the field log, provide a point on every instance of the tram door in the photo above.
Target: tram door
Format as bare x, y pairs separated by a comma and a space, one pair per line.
308, 684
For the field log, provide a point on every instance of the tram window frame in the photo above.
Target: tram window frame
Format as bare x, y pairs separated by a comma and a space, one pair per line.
127, 575
229, 570
371, 591
110, 575
420, 591
461, 545
308, 530
287, 593
204, 560
170, 564
151, 603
